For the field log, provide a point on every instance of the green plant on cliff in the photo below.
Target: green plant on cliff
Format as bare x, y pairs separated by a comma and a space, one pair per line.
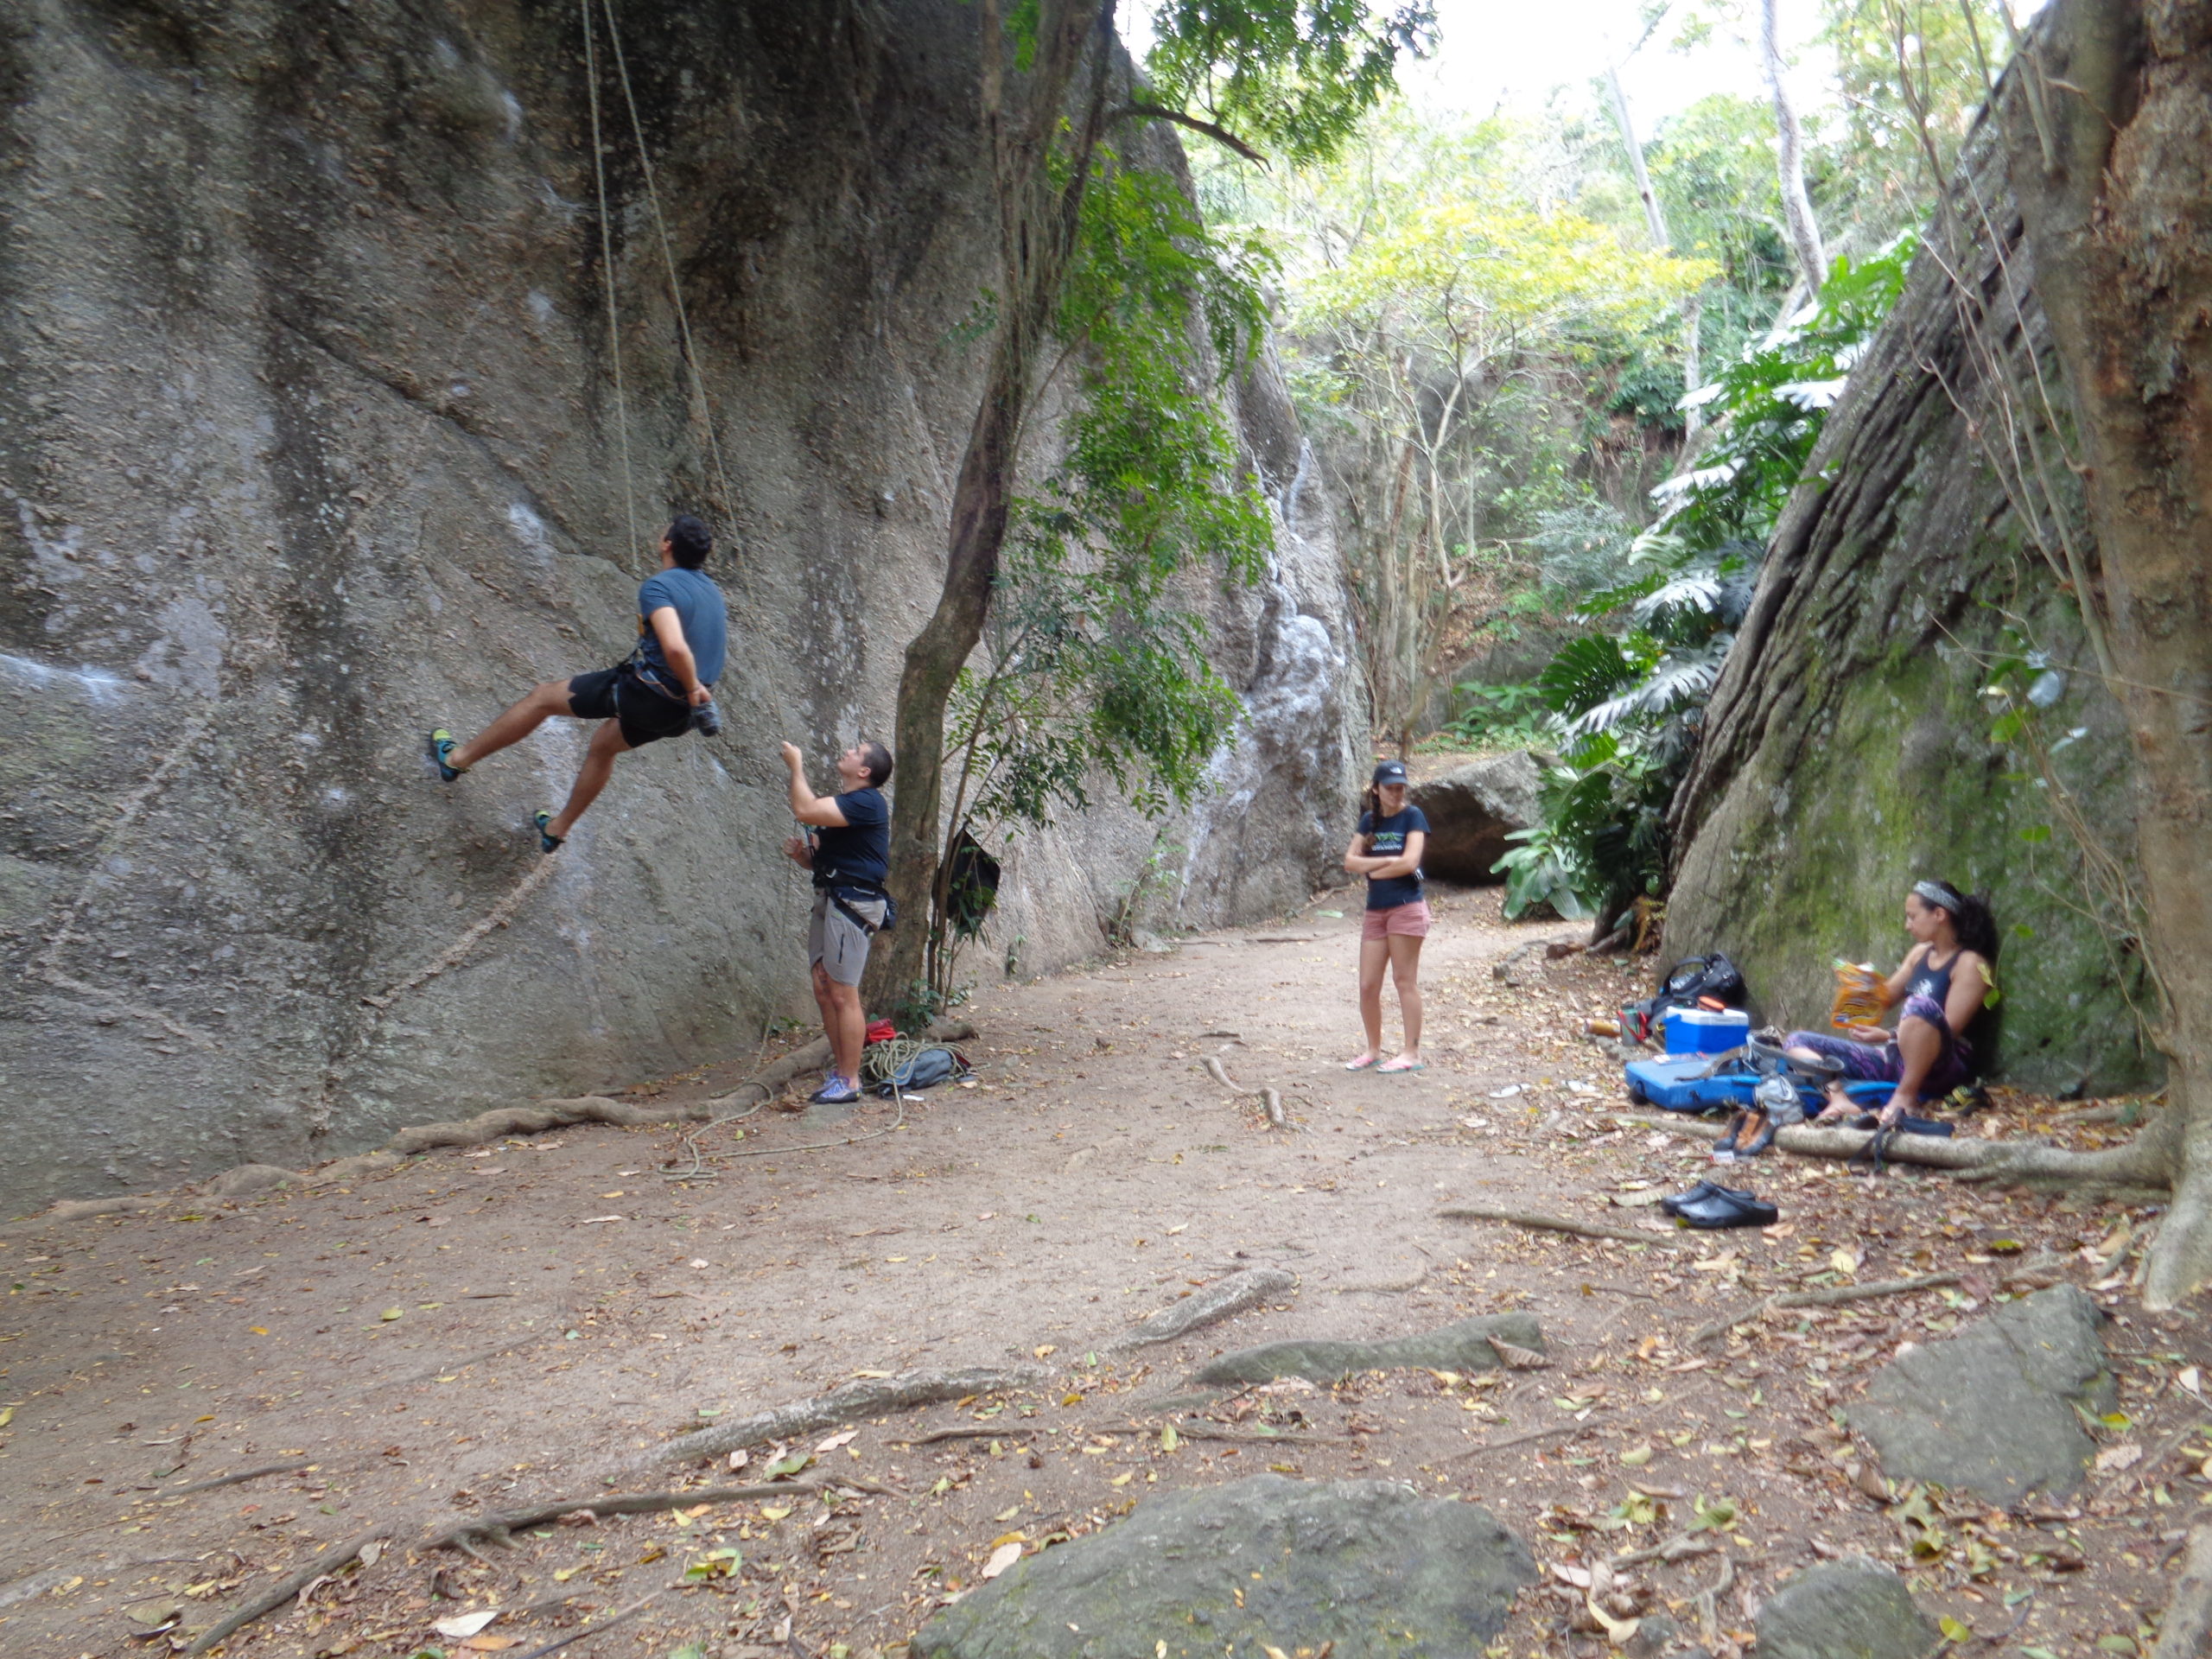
1093, 668
1115, 293
1630, 701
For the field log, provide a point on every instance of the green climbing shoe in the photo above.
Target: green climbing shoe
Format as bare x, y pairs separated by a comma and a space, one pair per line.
441, 744
547, 842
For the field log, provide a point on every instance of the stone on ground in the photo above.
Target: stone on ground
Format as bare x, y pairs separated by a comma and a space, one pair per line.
1992, 1410
1462, 1347
1365, 1564
1470, 811
1852, 1609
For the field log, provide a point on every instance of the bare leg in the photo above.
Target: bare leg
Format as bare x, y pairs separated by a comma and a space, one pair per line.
843, 1023
1405, 973
1920, 1046
1374, 954
599, 765
542, 703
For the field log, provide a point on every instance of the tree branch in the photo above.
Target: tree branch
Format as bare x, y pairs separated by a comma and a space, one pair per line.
1220, 134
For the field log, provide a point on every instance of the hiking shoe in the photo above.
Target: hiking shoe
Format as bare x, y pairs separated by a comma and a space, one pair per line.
834, 1091
547, 840
441, 744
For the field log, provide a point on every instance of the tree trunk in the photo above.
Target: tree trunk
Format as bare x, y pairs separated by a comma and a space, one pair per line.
1039, 225
2116, 193
1789, 157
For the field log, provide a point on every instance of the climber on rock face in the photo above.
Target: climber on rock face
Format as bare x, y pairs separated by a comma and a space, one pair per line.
662, 689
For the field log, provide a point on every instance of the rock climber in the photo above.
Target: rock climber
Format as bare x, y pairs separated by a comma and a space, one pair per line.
663, 689
1944, 982
849, 850
1386, 851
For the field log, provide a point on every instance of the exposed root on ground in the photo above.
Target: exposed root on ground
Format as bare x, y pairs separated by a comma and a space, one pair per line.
495, 1528
330, 1561
1553, 1223
1557, 1432
1829, 1298
2145, 1162
1215, 1302
862, 1397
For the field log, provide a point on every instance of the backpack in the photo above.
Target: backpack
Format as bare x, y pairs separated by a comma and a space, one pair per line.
1711, 980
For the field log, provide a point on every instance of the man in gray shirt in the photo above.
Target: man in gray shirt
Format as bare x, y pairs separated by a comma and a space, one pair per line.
659, 691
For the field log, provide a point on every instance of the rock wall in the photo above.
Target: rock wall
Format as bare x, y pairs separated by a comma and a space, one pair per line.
310, 439
1849, 750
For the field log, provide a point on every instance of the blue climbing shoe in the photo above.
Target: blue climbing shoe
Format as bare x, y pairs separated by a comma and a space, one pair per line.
835, 1092
441, 744
547, 840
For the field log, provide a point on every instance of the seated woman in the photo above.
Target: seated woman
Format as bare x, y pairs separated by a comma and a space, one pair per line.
1943, 984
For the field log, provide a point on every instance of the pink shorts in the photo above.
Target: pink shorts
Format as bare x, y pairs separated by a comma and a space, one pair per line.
1411, 921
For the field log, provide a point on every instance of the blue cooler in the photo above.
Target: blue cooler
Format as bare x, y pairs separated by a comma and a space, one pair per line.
1700, 1031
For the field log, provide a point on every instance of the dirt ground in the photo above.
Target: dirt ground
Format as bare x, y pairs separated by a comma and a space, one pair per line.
479, 1330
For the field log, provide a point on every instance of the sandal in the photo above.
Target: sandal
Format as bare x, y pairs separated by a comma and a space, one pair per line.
1399, 1068
547, 842
1361, 1064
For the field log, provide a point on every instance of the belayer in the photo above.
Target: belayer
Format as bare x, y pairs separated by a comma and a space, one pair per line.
663, 689
847, 849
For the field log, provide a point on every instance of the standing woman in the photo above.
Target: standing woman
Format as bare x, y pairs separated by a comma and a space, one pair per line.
1386, 851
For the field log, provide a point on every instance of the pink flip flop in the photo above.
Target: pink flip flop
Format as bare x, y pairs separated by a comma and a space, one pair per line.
1399, 1068
1361, 1064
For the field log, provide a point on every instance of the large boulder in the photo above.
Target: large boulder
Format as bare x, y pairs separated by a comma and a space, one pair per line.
1267, 1562
1993, 1410
1852, 1609
1472, 809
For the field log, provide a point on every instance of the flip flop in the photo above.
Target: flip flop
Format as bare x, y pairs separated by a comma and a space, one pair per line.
546, 842
1398, 1069
1361, 1064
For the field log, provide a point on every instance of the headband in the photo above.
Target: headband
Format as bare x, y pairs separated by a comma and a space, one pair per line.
1936, 894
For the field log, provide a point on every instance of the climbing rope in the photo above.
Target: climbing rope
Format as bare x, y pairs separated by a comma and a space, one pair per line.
700, 1173
606, 276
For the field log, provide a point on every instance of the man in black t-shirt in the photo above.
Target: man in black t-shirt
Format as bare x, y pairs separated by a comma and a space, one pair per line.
851, 855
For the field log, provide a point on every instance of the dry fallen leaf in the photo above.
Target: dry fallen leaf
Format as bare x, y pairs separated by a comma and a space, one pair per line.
2125, 1455
837, 1440
461, 1626
1001, 1558
1517, 1358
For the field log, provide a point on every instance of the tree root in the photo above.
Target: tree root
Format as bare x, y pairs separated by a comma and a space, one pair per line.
243, 1475
1829, 1298
862, 1397
621, 1616
1559, 1431
1271, 1103
1708, 1615
1680, 1547
285, 1588
1553, 1223
1216, 1302
2145, 1161
2186, 1630
493, 1529
1220, 1075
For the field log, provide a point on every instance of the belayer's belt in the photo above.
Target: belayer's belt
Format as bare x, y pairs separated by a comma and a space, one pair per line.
852, 915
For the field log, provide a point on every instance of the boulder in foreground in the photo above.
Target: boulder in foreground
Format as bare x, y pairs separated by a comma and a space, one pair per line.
1365, 1564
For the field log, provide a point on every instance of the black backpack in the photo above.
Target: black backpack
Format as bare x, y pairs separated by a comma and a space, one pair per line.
1683, 986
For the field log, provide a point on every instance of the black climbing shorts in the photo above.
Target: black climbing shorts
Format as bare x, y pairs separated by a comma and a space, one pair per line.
617, 693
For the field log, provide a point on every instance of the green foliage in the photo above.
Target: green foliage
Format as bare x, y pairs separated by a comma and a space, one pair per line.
1629, 702
1093, 667
1769, 405
1508, 716
1294, 77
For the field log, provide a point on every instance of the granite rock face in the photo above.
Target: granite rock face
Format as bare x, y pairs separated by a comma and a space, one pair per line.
1993, 1411
1848, 750
1365, 1564
1471, 811
1852, 1609
310, 441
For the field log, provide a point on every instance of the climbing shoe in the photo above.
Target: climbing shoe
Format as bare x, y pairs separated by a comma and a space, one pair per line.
1720, 1206
547, 840
835, 1092
441, 744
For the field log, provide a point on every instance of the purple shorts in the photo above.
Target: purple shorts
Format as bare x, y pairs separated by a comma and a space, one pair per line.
1865, 1063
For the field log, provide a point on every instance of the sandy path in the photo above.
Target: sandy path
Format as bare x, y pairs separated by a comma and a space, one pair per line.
482, 1328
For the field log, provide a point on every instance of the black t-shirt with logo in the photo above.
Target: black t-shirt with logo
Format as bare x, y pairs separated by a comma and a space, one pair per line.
858, 851
1387, 840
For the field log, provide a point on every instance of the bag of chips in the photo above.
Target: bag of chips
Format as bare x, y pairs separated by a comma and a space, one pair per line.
1858, 995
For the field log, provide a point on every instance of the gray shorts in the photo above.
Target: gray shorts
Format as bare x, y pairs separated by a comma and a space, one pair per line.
834, 941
